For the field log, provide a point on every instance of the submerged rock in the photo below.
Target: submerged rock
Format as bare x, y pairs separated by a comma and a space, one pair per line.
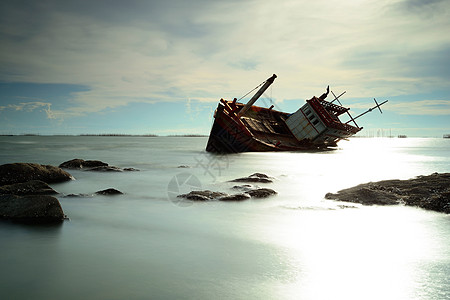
78, 164
261, 193
92, 165
208, 195
256, 177
109, 191
244, 187
31, 209
106, 169
429, 192
33, 187
23, 172
202, 195
78, 196
235, 197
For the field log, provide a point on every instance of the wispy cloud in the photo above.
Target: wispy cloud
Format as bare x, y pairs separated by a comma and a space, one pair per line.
423, 107
29, 107
175, 50
419, 107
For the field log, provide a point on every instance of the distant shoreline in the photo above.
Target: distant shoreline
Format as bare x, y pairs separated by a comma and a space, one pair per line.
192, 135
111, 135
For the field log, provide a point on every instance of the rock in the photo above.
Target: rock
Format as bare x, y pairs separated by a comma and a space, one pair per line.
235, 197
208, 195
367, 195
202, 195
259, 175
109, 191
78, 196
261, 193
244, 187
106, 169
183, 167
33, 187
256, 177
23, 172
92, 165
429, 192
131, 169
31, 209
78, 164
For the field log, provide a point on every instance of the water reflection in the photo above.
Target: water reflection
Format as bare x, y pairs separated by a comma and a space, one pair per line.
368, 253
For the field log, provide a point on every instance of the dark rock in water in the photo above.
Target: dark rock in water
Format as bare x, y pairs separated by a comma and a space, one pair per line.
31, 209
23, 172
235, 197
183, 167
195, 197
256, 177
429, 192
109, 191
92, 165
78, 196
261, 193
82, 164
33, 187
202, 195
106, 169
367, 196
244, 187
131, 169
209, 195
259, 175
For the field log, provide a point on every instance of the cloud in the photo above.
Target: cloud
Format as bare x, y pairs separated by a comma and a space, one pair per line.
174, 50
30, 107
422, 107
419, 107
424, 8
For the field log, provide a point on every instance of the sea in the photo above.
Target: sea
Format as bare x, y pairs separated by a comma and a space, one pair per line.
150, 244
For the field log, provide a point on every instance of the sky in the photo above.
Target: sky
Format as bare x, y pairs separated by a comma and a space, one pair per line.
160, 66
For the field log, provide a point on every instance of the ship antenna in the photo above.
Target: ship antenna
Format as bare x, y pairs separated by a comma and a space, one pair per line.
348, 113
370, 109
337, 98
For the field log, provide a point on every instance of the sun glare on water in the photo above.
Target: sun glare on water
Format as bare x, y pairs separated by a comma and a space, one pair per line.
349, 254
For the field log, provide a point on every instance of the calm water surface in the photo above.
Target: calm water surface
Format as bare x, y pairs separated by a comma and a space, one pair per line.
147, 244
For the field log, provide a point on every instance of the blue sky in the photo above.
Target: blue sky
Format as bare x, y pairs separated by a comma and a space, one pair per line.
160, 67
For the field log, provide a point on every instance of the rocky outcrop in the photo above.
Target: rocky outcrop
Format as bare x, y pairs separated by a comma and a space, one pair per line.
24, 193
109, 191
235, 197
256, 177
261, 193
77, 164
106, 169
31, 209
92, 165
429, 192
23, 172
208, 195
202, 195
33, 187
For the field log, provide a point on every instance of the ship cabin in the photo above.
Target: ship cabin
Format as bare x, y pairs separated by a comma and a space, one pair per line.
317, 121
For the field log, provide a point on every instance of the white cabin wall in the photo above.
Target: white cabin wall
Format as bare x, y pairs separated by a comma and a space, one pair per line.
305, 124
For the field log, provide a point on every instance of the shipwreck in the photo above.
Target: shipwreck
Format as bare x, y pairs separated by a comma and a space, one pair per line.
316, 125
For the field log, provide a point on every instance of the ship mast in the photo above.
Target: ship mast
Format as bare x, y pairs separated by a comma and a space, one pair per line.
256, 96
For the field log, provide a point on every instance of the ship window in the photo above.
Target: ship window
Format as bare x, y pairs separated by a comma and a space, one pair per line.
311, 117
315, 122
308, 112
